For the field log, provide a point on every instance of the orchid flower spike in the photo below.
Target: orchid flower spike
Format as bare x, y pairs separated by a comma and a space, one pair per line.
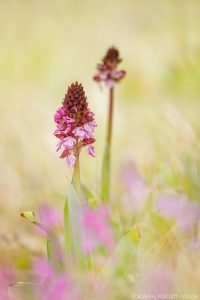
107, 70
75, 125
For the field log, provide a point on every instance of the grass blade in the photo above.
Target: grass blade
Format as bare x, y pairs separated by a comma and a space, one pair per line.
105, 175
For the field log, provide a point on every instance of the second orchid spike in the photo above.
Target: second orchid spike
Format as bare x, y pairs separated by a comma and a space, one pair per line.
107, 70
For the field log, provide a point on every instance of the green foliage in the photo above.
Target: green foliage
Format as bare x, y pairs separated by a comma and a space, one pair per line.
72, 212
123, 258
74, 233
160, 224
52, 244
105, 175
49, 249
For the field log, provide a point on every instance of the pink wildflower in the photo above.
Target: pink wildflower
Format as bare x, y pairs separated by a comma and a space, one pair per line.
71, 159
178, 208
75, 124
136, 189
90, 151
107, 70
7, 277
67, 143
79, 132
52, 286
49, 216
97, 228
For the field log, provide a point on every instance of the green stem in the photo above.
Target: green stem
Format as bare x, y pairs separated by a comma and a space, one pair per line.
76, 185
54, 252
74, 235
110, 116
105, 180
76, 176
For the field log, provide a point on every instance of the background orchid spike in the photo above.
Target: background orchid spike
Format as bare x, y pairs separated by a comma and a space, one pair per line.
107, 69
107, 72
75, 124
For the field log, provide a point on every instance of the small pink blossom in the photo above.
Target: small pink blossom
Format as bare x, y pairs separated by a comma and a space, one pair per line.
89, 127
179, 208
51, 286
49, 216
59, 145
59, 114
189, 217
170, 206
79, 132
136, 189
42, 270
71, 159
69, 142
90, 151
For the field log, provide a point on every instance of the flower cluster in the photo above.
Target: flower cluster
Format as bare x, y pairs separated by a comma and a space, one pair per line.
107, 70
75, 124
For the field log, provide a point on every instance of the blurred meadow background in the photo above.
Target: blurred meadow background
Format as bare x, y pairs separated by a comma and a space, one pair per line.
46, 45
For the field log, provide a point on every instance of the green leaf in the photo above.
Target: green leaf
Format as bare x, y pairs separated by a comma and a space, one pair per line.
161, 224
134, 235
54, 252
92, 199
49, 249
76, 177
123, 258
72, 221
105, 176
